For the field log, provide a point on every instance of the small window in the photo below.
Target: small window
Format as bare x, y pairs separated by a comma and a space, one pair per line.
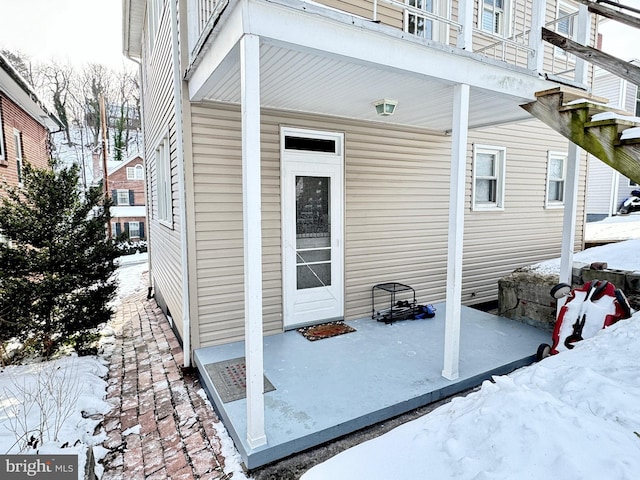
556, 176
566, 24
122, 197
417, 24
17, 138
488, 177
632, 183
637, 103
494, 17
135, 173
134, 229
310, 144
154, 14
163, 172
3, 157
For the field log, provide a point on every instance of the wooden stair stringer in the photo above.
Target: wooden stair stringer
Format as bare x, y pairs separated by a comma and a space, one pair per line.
601, 139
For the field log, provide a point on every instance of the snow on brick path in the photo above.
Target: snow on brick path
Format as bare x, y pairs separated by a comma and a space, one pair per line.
160, 426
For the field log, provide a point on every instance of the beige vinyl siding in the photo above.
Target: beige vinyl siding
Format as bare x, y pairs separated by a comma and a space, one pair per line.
600, 187
496, 242
160, 122
396, 213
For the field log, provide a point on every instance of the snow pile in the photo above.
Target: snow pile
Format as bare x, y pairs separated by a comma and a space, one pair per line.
56, 406
130, 274
53, 407
620, 227
573, 415
620, 256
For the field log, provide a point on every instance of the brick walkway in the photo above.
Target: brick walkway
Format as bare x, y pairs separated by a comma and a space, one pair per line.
159, 427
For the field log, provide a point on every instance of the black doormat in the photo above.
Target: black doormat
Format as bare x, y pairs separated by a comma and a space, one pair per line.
325, 330
230, 379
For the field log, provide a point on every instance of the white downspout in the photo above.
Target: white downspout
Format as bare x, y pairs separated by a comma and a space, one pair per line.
184, 253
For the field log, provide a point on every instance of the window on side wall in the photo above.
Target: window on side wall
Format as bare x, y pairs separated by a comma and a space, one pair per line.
566, 24
163, 173
17, 138
135, 173
488, 177
417, 24
494, 17
154, 14
556, 176
3, 156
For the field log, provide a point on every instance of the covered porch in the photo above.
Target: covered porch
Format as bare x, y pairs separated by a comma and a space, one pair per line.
331, 387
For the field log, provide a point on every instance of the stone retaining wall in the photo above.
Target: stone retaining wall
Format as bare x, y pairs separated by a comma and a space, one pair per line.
524, 294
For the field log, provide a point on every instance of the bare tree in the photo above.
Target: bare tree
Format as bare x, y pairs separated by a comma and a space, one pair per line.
58, 79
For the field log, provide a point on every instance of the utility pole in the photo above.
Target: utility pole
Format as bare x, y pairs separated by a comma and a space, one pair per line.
105, 179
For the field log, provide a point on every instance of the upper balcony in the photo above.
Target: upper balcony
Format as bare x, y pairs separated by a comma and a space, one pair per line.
496, 29
335, 58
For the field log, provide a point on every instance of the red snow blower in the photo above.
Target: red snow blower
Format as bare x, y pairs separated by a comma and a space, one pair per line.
590, 308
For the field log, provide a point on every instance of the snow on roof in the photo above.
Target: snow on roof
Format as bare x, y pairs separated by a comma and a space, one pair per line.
129, 211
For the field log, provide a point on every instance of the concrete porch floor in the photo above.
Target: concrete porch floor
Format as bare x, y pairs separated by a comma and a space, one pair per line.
331, 387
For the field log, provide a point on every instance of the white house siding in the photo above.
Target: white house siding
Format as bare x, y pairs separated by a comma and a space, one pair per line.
159, 117
396, 213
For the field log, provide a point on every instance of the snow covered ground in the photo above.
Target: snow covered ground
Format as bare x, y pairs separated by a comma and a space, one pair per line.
573, 415
55, 406
620, 227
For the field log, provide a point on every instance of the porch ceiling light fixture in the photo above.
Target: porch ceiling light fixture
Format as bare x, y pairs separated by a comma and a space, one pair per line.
385, 107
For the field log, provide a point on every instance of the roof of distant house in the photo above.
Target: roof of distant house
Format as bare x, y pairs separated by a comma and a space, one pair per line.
24, 95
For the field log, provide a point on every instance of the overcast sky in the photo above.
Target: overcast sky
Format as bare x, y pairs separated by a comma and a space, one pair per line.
80, 31
85, 31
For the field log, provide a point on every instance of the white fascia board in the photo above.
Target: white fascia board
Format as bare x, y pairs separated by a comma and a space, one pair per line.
21, 98
228, 36
332, 32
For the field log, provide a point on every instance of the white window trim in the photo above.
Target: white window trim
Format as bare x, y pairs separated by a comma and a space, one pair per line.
3, 156
554, 203
557, 51
501, 155
17, 138
136, 172
123, 193
137, 224
154, 16
506, 20
163, 183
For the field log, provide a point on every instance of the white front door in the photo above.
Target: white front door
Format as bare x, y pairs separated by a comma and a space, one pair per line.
312, 226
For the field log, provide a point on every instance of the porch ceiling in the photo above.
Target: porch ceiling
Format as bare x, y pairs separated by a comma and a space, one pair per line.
313, 82
323, 61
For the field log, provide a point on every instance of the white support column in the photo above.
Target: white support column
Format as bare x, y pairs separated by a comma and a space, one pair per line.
582, 37
456, 230
252, 231
465, 18
536, 44
570, 214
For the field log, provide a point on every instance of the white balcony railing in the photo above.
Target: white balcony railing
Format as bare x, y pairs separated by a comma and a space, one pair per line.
413, 16
516, 49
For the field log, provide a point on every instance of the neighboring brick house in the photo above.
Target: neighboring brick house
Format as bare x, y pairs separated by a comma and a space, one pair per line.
25, 126
126, 183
